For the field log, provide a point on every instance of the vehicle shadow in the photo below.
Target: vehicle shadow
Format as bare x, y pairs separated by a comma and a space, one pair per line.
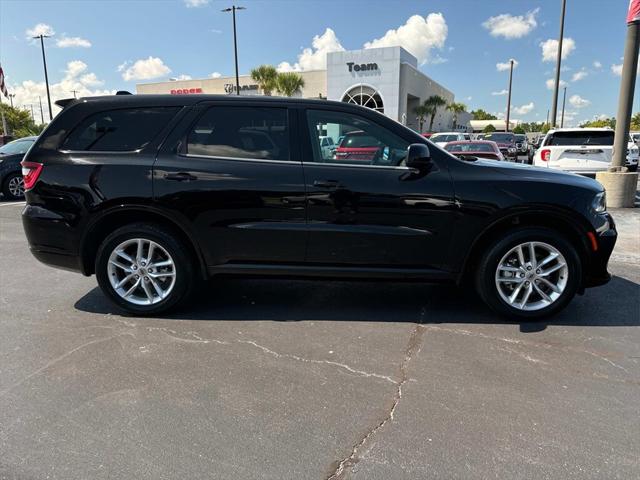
615, 304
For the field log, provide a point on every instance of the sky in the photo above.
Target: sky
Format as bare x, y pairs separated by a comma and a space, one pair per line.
101, 46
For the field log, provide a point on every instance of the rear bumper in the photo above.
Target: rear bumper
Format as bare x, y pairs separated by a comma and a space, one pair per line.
597, 273
52, 240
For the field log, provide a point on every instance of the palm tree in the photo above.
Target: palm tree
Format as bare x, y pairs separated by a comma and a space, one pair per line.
289, 83
266, 76
421, 111
433, 102
456, 108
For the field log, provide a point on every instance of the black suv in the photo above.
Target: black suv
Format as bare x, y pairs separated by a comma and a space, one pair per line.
154, 193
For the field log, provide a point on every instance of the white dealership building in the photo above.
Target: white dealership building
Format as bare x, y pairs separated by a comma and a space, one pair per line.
385, 79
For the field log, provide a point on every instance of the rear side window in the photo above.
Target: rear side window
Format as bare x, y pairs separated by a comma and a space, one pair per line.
241, 132
580, 138
119, 130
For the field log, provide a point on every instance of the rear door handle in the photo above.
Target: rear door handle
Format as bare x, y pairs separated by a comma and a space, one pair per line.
326, 183
180, 177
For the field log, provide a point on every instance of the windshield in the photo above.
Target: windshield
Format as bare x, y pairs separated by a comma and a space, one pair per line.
500, 137
586, 137
520, 138
469, 147
16, 147
443, 138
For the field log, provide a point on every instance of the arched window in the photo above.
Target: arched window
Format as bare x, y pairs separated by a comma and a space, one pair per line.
365, 96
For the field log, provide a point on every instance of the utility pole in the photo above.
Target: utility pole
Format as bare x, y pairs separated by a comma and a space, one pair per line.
74, 93
33, 119
547, 117
564, 99
11, 96
41, 113
509, 96
619, 183
554, 105
233, 9
46, 76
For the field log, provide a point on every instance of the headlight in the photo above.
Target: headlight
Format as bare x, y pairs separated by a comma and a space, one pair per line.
599, 203
512, 150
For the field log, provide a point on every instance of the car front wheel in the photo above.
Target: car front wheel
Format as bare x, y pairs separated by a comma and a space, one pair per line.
530, 273
13, 186
144, 269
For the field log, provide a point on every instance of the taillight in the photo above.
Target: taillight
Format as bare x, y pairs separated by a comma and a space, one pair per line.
30, 173
545, 155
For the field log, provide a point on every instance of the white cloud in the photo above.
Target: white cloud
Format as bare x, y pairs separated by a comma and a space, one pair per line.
578, 102
551, 82
215, 75
418, 35
65, 42
550, 49
502, 66
437, 60
152, 67
504, 91
40, 29
597, 64
195, 3
74, 78
315, 58
183, 77
524, 109
616, 69
576, 77
511, 26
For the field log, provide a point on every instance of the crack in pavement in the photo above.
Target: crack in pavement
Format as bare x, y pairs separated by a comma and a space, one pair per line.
413, 345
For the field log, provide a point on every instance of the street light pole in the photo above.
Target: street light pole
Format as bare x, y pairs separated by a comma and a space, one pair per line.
233, 9
74, 93
509, 96
46, 76
41, 113
564, 99
554, 105
11, 96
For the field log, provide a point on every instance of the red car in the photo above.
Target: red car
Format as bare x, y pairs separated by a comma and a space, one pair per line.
475, 148
358, 146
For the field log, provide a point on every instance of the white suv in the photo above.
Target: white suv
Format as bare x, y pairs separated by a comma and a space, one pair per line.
442, 138
579, 150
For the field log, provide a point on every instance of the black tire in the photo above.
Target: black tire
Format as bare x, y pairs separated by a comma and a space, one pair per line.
184, 265
486, 272
6, 184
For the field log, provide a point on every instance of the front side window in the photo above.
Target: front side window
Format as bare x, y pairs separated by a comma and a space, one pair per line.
241, 132
444, 138
357, 141
119, 130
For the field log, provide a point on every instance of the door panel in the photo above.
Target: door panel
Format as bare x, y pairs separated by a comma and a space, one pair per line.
375, 214
237, 178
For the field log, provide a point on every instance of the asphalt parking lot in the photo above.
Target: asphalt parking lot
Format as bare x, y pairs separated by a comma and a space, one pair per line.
285, 379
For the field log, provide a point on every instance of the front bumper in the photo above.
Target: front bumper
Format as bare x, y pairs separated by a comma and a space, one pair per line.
597, 273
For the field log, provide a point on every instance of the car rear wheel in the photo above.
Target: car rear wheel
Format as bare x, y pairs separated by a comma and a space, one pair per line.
144, 269
13, 186
530, 273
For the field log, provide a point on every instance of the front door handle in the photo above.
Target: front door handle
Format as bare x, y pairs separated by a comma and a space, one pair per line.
180, 177
326, 183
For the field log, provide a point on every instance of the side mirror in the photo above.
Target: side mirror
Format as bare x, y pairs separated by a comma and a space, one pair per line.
418, 156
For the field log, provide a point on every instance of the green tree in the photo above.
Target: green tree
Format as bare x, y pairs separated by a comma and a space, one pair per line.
480, 114
600, 123
456, 108
546, 127
519, 129
19, 122
489, 128
635, 121
422, 111
265, 76
289, 83
433, 103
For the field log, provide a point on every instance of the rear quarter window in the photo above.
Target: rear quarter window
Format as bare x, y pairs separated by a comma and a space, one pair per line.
119, 130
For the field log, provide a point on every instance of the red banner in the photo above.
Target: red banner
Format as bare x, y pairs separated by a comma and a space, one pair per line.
634, 11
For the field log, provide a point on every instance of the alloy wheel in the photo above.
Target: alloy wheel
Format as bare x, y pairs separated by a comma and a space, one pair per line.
16, 186
141, 271
531, 276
